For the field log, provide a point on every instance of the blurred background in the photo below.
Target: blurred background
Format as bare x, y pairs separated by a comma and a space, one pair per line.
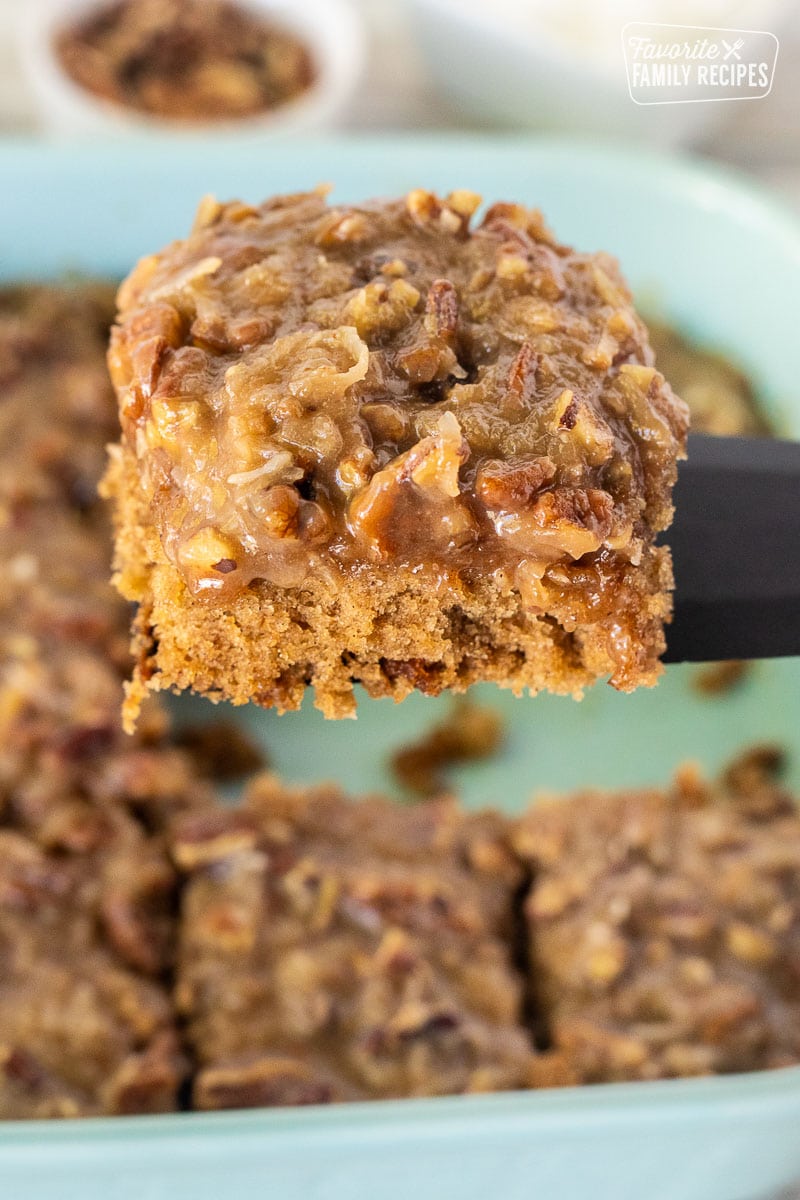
409, 77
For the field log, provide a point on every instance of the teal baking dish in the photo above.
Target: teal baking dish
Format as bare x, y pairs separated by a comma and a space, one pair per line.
720, 259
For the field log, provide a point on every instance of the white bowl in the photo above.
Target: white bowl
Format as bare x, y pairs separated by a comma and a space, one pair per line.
515, 70
331, 29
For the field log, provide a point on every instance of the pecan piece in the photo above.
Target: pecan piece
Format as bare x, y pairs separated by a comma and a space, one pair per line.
22, 1068
206, 837
220, 750
29, 878
147, 1082
424, 676
441, 310
728, 1007
420, 485
266, 1083
753, 778
134, 908
85, 742
75, 826
503, 485
502, 216
566, 522
470, 732
429, 361
201, 553
429, 212
279, 508
342, 227
427, 1025
750, 944
523, 374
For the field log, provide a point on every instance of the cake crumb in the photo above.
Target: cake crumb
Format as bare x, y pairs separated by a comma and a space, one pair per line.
720, 677
468, 733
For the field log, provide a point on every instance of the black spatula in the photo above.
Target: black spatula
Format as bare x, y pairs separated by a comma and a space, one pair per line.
736, 551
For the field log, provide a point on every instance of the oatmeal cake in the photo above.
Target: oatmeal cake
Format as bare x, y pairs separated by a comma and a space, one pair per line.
386, 444
87, 891
63, 629
87, 1025
665, 927
336, 950
57, 413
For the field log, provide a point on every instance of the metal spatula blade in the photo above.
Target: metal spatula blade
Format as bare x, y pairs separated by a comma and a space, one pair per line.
736, 551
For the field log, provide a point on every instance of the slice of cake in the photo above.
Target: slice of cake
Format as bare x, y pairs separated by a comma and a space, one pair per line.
336, 950
664, 927
87, 1025
87, 891
385, 444
63, 629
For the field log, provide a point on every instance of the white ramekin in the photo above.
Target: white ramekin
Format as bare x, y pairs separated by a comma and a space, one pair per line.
331, 29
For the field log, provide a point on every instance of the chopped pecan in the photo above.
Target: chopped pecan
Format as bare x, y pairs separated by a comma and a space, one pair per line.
425, 362
726, 1010
207, 836
380, 308
435, 461
424, 676
759, 764
422, 480
221, 750
147, 358
147, 1082
76, 826
567, 522
200, 554
569, 413
464, 202
340, 228
386, 421
502, 215
211, 331
522, 379
513, 485
29, 878
428, 211
83, 742
20, 1066
548, 275
280, 509
135, 909
750, 944
753, 778
722, 677
267, 1082
396, 952
469, 732
416, 1022
441, 310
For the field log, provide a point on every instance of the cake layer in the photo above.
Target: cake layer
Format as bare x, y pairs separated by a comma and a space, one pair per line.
384, 444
